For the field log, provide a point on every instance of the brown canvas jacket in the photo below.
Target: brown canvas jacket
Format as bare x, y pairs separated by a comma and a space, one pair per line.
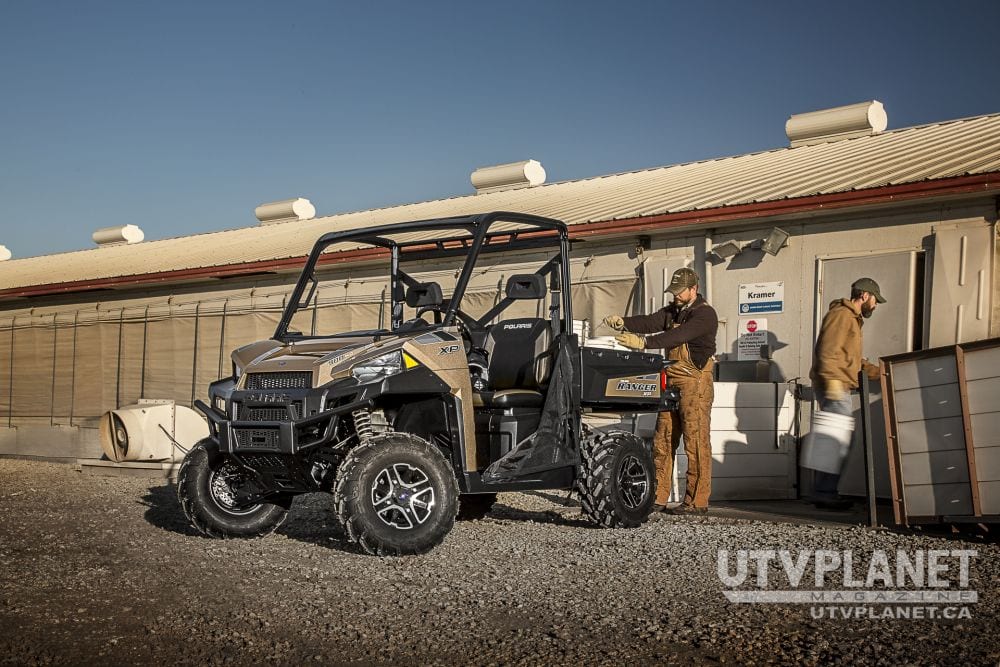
697, 326
838, 348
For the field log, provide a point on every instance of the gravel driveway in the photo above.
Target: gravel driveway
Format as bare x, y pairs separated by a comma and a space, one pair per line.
106, 570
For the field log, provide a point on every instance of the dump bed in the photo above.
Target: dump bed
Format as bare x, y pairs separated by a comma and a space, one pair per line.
623, 381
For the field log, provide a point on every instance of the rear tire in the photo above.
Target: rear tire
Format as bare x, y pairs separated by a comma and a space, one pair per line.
617, 480
396, 495
474, 506
205, 490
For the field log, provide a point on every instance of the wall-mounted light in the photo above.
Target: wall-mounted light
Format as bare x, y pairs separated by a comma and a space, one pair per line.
727, 249
775, 241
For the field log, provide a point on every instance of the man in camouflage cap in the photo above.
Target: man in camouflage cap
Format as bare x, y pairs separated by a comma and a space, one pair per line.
686, 329
837, 361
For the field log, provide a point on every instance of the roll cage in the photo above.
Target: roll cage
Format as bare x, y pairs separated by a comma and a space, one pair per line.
472, 236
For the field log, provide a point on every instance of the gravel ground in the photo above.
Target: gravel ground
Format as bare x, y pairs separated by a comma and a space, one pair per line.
106, 570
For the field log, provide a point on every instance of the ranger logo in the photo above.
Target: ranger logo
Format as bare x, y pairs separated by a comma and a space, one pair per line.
625, 385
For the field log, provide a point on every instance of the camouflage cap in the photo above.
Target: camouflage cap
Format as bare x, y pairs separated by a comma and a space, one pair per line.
681, 280
870, 286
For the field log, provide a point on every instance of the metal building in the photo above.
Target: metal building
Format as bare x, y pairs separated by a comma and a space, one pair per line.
915, 208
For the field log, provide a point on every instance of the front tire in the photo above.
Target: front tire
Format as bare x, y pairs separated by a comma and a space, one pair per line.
617, 480
205, 489
396, 495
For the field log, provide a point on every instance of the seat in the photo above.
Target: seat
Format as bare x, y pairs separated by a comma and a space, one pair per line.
519, 364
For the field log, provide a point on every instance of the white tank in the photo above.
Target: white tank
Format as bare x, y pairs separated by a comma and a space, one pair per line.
151, 430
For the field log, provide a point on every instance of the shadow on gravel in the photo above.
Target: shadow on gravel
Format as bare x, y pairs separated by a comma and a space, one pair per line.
164, 510
507, 513
555, 497
309, 519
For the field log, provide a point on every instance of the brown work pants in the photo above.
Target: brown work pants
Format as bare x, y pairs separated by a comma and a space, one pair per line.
693, 420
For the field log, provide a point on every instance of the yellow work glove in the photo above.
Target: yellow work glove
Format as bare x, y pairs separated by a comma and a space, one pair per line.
631, 340
614, 322
835, 390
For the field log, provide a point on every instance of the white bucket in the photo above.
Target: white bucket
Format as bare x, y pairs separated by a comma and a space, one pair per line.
827, 442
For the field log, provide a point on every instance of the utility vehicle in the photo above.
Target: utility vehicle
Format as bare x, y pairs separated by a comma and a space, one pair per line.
429, 415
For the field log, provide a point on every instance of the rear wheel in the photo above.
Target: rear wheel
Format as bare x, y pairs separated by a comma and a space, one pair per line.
617, 480
396, 495
206, 487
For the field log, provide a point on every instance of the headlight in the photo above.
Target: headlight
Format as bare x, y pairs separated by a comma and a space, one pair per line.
372, 369
219, 403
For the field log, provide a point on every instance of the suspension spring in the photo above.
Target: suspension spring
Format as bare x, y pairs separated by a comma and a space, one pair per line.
363, 425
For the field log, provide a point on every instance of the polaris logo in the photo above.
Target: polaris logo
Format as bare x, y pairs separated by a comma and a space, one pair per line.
268, 398
526, 325
625, 385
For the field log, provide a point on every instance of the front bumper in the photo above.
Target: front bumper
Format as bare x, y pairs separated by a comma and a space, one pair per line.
299, 418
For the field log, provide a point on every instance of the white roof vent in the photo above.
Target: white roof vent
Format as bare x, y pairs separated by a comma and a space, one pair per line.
4, 253
286, 210
854, 120
125, 234
524, 174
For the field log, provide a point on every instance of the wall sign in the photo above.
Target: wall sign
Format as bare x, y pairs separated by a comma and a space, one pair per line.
752, 334
762, 298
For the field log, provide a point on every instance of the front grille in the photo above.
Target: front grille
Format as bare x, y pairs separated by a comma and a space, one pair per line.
256, 437
270, 413
288, 380
259, 461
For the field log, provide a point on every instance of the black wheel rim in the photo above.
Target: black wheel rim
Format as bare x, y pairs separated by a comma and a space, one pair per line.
633, 482
403, 496
220, 487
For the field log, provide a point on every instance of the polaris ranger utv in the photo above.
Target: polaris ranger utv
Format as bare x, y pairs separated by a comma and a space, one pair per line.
430, 417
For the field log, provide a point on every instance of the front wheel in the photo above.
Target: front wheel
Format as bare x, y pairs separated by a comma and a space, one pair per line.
206, 488
617, 479
396, 495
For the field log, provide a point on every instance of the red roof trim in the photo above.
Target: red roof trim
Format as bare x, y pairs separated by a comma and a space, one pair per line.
886, 194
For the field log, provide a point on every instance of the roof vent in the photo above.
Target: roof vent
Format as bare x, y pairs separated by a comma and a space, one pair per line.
4, 253
524, 174
854, 120
125, 234
286, 210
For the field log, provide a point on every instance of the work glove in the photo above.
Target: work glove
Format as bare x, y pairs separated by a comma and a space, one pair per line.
614, 322
632, 341
835, 390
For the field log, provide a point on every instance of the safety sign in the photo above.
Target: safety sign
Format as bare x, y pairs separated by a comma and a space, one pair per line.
752, 335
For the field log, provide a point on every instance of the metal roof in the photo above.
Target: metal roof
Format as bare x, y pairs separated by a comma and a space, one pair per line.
923, 154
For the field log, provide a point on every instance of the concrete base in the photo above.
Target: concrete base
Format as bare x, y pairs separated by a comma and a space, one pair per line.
105, 468
51, 442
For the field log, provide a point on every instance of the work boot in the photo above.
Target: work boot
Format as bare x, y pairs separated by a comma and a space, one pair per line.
688, 510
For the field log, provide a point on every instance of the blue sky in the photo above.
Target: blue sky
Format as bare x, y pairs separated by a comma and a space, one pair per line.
182, 116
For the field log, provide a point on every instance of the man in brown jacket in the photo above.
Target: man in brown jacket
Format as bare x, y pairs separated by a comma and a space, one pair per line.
686, 329
836, 364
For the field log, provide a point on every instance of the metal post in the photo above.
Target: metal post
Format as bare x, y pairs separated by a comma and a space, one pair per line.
222, 337
866, 431
72, 384
194, 362
10, 383
118, 372
142, 374
52, 393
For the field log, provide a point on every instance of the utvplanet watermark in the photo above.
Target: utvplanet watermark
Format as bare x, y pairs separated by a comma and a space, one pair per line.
930, 583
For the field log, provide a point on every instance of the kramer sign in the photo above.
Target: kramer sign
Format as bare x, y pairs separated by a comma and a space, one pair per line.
762, 298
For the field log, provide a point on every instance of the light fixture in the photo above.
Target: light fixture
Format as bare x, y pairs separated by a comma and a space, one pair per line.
775, 241
727, 249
